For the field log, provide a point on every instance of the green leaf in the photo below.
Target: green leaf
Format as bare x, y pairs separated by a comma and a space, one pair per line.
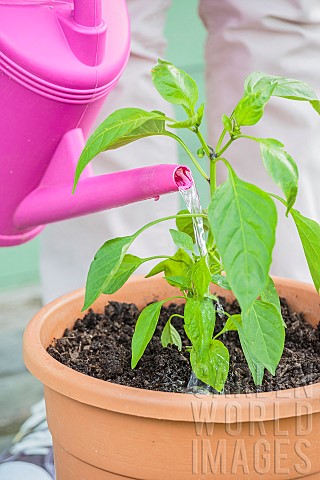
270, 295
199, 321
176, 281
144, 330
182, 240
160, 267
200, 113
170, 336
316, 105
227, 123
104, 266
256, 368
309, 232
282, 168
193, 121
214, 262
221, 281
201, 277
231, 324
211, 366
175, 85
284, 87
185, 224
269, 142
129, 265
243, 221
188, 123
120, 128
176, 266
264, 331
250, 108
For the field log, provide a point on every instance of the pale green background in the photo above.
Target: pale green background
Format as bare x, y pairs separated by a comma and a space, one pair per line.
19, 265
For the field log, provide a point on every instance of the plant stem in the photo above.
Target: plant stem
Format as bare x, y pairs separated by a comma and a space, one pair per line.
246, 136
196, 163
278, 198
224, 131
172, 298
203, 143
155, 257
175, 315
164, 219
213, 177
227, 145
213, 169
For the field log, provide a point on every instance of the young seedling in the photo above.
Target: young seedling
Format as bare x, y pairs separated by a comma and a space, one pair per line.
240, 220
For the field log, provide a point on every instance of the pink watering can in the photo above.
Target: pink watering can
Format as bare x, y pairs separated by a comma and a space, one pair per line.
58, 62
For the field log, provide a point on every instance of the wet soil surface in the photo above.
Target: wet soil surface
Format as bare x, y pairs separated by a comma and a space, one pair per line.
100, 346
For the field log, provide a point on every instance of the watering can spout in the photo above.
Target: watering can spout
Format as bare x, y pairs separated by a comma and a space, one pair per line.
53, 200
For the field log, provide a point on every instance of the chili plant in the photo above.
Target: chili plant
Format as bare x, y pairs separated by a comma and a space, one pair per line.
241, 224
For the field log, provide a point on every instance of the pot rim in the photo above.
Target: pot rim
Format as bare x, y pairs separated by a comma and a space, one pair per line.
151, 403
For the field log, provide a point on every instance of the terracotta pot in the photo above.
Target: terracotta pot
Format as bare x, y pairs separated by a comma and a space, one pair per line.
103, 431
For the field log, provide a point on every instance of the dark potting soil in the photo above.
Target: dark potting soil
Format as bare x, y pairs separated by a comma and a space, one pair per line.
100, 346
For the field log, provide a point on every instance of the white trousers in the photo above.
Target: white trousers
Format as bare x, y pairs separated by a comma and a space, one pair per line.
277, 37
280, 38
67, 248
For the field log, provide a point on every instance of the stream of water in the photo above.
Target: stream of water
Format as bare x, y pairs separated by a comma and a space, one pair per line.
192, 201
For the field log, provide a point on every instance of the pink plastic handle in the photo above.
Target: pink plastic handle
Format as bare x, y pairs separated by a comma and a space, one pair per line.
88, 13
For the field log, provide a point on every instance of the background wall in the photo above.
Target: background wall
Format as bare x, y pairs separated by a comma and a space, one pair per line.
19, 265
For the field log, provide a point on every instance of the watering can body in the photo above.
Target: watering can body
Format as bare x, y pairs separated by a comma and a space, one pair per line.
58, 62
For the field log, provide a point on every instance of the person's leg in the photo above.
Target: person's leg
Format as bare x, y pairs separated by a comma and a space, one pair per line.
67, 248
279, 38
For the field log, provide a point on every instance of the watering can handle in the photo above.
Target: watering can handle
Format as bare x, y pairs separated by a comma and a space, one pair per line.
88, 13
